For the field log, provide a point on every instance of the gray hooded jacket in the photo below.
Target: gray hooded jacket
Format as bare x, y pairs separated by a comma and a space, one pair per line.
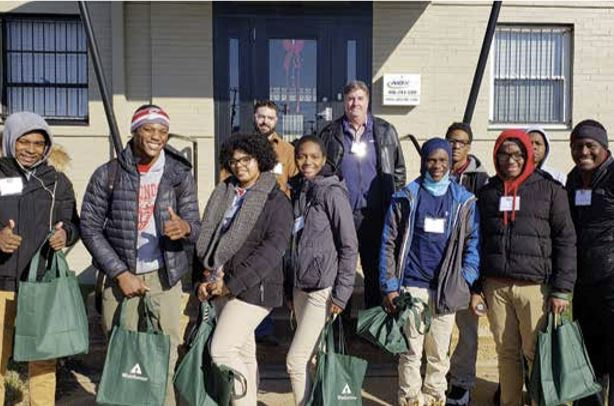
45, 199
325, 250
554, 173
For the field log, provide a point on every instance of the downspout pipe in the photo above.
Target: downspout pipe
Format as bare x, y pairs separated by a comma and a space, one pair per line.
102, 84
479, 70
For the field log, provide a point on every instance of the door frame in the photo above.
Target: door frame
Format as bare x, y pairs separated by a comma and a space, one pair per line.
330, 23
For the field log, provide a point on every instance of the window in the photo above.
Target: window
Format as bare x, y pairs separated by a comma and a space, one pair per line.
531, 74
45, 68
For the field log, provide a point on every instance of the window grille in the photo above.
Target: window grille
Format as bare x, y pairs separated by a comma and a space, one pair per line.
45, 67
531, 75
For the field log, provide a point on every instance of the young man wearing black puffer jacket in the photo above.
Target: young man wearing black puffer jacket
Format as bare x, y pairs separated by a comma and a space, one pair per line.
528, 256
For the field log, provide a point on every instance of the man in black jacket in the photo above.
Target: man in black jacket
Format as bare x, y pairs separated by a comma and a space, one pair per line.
35, 200
365, 151
139, 213
590, 186
469, 172
528, 256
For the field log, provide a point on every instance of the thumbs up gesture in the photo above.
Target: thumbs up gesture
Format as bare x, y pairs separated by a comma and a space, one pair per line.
57, 241
9, 241
175, 227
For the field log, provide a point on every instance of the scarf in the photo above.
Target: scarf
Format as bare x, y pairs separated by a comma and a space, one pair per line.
436, 188
215, 248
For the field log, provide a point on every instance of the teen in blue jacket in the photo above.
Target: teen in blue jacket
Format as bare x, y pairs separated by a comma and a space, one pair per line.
430, 249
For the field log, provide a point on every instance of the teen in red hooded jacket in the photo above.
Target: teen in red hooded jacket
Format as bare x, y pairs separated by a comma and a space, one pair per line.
528, 256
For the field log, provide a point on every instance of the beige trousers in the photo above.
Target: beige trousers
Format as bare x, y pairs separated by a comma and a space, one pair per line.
234, 343
435, 343
41, 374
311, 311
515, 312
166, 303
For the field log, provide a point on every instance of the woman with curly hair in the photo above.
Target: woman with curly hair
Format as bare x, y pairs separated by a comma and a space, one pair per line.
245, 232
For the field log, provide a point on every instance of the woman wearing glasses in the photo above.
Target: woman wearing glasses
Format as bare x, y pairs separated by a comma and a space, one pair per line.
245, 232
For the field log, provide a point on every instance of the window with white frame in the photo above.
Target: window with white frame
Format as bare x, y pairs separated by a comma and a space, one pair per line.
45, 68
531, 75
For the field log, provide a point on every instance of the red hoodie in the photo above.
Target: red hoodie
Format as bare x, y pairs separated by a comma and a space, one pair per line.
510, 187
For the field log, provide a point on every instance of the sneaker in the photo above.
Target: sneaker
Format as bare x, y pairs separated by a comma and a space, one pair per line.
458, 396
430, 400
409, 402
436, 402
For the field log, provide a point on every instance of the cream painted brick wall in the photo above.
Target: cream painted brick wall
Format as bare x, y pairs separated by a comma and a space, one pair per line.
442, 41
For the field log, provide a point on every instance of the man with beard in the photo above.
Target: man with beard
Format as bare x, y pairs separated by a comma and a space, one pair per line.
265, 123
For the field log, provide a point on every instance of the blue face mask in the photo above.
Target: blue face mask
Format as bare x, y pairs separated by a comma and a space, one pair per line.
436, 188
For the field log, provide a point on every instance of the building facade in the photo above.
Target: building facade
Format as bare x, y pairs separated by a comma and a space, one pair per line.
206, 63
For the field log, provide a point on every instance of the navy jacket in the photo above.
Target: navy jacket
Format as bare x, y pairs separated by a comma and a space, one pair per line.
109, 223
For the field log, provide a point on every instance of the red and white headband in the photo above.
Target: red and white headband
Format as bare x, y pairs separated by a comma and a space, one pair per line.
149, 115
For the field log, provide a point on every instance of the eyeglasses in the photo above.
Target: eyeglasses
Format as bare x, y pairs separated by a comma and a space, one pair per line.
243, 161
31, 144
460, 143
502, 156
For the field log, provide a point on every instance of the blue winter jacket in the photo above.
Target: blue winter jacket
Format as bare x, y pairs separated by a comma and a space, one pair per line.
461, 261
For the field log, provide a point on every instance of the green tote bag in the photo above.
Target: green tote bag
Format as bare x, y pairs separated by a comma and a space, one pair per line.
561, 370
386, 330
339, 376
198, 380
136, 366
51, 320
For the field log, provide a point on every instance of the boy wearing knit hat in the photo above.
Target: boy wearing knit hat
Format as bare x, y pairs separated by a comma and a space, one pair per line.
590, 186
528, 256
139, 213
429, 250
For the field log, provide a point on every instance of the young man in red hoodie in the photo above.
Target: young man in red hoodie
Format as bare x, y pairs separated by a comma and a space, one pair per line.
528, 256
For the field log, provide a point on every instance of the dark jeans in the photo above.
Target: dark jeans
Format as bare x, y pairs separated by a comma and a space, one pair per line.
593, 307
369, 226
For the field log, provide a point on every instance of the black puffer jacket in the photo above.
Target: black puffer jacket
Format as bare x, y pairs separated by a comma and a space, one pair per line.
110, 233
30, 211
594, 224
390, 161
539, 245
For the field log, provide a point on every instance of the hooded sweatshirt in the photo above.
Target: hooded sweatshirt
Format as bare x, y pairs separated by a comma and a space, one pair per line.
510, 187
555, 173
45, 198
19, 124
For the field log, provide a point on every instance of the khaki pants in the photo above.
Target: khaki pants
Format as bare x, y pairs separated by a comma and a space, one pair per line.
311, 311
515, 312
462, 363
41, 383
234, 344
435, 344
166, 303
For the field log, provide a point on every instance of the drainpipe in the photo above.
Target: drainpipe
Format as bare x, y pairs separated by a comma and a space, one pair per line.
479, 70
102, 84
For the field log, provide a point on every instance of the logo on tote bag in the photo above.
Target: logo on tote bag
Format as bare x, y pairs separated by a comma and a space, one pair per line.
346, 393
135, 373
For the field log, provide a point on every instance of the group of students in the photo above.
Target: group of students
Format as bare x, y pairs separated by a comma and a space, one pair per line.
514, 246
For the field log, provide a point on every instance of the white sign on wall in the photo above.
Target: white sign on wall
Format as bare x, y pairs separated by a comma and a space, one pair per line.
401, 89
